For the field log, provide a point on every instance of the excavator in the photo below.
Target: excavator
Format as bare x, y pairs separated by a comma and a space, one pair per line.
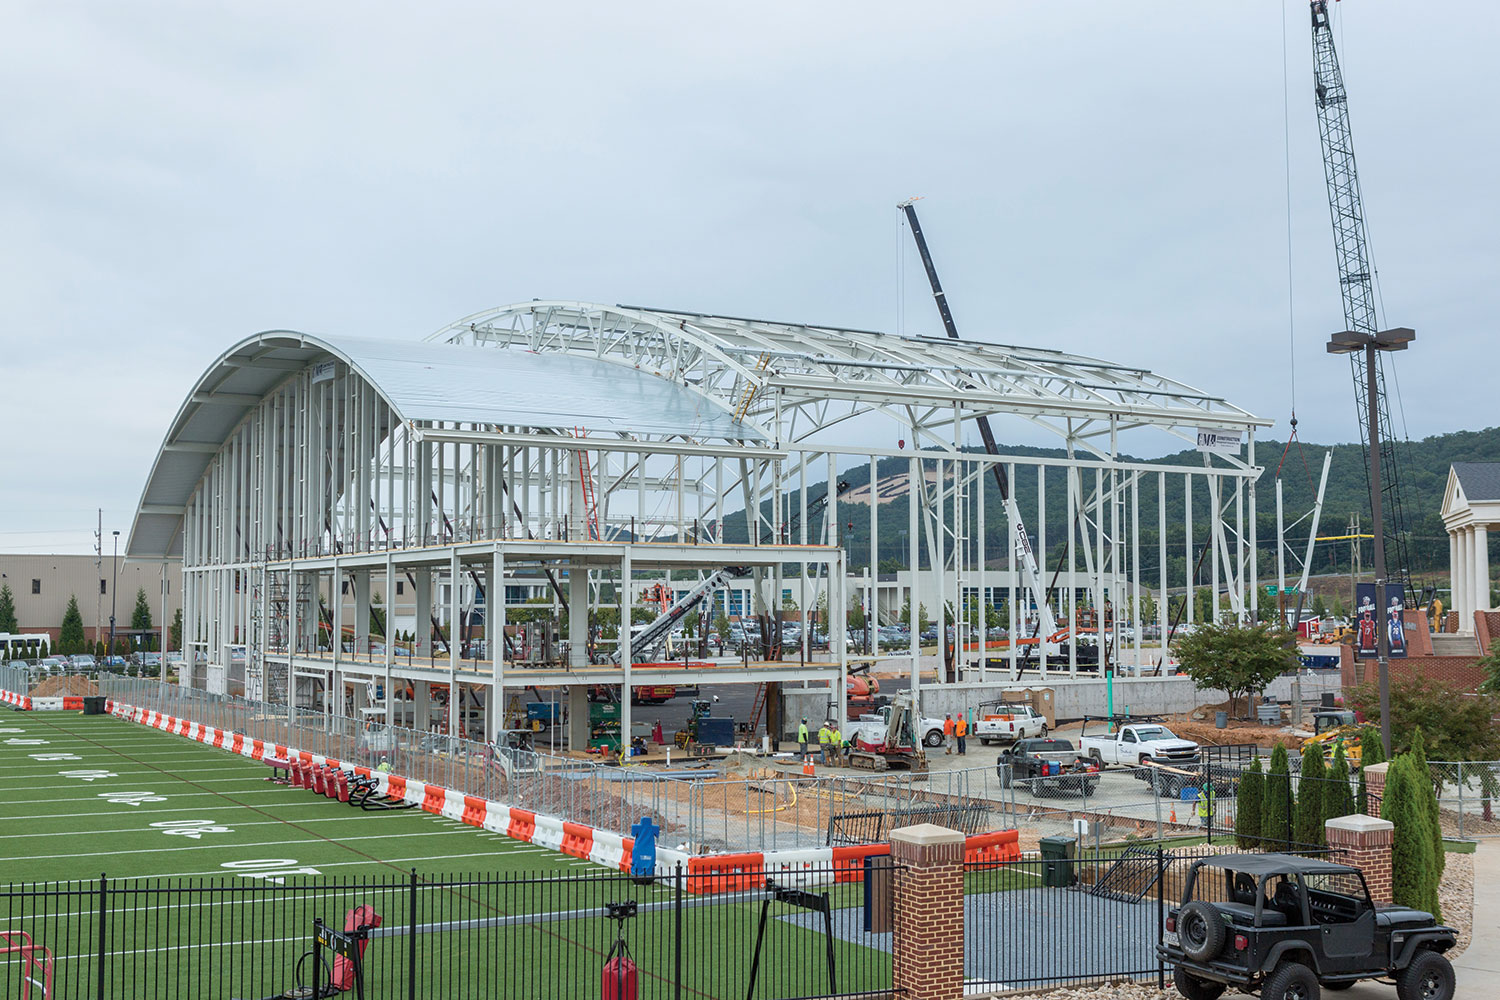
897, 748
1332, 727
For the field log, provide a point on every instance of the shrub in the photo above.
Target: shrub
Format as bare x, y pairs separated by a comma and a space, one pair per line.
1429, 800
1413, 874
1276, 811
1338, 800
1247, 811
1308, 828
1456, 724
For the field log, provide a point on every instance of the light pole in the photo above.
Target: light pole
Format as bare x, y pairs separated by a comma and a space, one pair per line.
1347, 342
114, 585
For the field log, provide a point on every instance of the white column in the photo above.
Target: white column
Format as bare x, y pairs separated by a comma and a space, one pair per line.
1453, 571
1466, 578
1481, 567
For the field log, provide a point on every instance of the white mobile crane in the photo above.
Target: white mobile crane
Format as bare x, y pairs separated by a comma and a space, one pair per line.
1048, 634
648, 638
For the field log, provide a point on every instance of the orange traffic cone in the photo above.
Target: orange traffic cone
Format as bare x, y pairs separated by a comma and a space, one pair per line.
807, 766
1173, 817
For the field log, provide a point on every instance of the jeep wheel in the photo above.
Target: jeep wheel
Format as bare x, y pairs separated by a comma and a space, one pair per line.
1201, 931
1290, 981
1428, 977
1194, 988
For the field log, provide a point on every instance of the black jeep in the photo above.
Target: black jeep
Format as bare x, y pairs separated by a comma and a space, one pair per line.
1287, 925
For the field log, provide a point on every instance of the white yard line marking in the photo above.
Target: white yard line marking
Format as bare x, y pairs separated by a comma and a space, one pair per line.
224, 846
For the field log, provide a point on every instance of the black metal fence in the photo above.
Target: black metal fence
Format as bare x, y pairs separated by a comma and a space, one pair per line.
739, 936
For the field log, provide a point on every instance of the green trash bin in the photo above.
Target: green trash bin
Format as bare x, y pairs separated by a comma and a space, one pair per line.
93, 705
1057, 862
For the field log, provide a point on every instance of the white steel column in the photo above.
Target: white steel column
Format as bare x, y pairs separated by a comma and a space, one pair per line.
494, 631
1453, 571
914, 549
453, 650
627, 655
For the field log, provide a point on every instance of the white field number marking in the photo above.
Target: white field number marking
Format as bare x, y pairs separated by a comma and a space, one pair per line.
11, 729
271, 869
17, 741
88, 775
131, 798
194, 828
54, 756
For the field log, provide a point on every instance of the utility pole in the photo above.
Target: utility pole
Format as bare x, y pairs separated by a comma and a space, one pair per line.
99, 569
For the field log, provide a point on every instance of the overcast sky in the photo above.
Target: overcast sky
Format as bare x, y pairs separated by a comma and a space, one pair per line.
1101, 176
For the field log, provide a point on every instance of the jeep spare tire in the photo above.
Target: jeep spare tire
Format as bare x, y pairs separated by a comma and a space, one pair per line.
1201, 931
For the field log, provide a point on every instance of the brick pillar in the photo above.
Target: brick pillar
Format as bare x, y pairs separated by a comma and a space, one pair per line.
1375, 788
928, 938
1365, 843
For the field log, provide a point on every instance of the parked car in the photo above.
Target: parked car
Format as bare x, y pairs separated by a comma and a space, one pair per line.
83, 661
1289, 926
1047, 767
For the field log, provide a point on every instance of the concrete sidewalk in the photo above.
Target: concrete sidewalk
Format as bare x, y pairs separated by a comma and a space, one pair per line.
1478, 968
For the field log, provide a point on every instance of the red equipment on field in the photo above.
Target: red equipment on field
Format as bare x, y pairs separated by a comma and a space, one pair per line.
36, 971
620, 977
356, 922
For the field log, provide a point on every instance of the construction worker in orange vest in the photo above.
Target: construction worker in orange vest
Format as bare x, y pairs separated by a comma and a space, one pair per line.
948, 733
960, 730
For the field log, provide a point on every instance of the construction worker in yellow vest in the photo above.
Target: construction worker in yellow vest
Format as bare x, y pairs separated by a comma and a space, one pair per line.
1205, 804
825, 737
836, 745
802, 739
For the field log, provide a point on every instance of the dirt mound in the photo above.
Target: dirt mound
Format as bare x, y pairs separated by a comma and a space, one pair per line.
68, 685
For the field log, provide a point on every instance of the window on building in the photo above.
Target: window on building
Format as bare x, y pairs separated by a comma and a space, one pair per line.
36, 586
103, 588
400, 588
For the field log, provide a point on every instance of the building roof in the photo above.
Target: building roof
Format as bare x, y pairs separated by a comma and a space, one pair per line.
1480, 480
421, 382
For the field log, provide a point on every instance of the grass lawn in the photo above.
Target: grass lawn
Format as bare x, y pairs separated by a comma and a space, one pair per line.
223, 872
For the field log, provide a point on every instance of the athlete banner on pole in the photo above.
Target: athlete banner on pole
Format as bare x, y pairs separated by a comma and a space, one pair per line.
1366, 621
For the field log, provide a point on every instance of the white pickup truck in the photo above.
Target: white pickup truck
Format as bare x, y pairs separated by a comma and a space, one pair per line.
874, 726
1008, 723
1139, 743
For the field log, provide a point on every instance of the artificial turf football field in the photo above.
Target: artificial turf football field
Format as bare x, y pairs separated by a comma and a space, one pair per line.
215, 875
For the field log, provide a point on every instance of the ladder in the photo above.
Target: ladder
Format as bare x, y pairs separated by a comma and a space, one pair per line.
586, 480
759, 705
752, 386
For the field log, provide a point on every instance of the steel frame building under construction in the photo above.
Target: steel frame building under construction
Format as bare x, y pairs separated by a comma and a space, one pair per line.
597, 445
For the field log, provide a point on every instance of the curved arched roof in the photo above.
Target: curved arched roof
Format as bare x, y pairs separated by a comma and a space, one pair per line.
734, 358
420, 382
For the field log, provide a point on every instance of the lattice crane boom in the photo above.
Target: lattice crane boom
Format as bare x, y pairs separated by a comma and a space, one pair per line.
1356, 277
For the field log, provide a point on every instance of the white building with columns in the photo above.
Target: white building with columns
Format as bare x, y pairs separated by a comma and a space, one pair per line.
1471, 505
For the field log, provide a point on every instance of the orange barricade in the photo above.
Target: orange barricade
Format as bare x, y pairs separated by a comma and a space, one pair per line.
849, 862
396, 787
434, 798
993, 848
629, 843
474, 810
522, 824
72, 703
578, 840
726, 872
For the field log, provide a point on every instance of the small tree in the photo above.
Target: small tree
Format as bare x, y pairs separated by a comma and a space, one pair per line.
1429, 801
1249, 802
1319, 606
1338, 799
1371, 752
1455, 725
1308, 827
140, 617
8, 621
1239, 660
721, 626
377, 616
1276, 810
70, 636
1413, 873
176, 629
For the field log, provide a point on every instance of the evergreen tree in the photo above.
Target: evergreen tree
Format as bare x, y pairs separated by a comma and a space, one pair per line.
1338, 800
1371, 751
70, 636
176, 630
1309, 823
1413, 875
1249, 801
1434, 822
140, 618
8, 621
1278, 803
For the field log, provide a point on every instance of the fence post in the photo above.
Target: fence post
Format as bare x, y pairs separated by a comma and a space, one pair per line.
677, 945
927, 941
103, 922
411, 938
1161, 915
1460, 800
